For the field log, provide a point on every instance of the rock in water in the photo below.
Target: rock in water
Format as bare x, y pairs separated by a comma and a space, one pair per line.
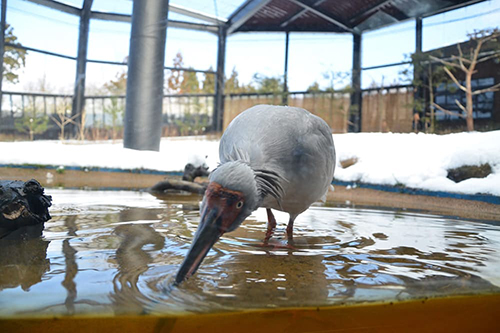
191, 172
23, 204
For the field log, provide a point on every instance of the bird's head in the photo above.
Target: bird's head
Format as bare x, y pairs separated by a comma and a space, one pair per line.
230, 198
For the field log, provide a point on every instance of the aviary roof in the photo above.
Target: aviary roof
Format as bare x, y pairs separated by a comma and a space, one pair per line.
332, 15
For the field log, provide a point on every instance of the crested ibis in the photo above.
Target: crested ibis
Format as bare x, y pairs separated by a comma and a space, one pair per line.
276, 157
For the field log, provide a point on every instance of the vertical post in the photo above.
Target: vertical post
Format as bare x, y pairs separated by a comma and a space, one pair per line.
418, 34
3, 26
356, 98
144, 101
218, 115
285, 75
418, 94
81, 64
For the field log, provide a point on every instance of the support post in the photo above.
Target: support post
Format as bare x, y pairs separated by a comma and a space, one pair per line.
218, 115
356, 97
81, 65
144, 100
3, 26
418, 34
418, 94
285, 75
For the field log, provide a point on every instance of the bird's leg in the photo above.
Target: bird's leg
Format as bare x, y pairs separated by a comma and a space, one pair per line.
271, 225
289, 229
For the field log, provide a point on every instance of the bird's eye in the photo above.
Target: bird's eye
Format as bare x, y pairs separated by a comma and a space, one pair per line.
239, 204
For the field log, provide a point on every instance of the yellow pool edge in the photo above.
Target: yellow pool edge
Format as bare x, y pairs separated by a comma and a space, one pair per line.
478, 313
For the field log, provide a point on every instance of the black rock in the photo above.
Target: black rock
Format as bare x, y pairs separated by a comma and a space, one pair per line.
191, 172
23, 204
469, 171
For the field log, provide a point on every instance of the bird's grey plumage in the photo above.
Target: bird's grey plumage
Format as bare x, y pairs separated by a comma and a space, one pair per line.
271, 156
290, 150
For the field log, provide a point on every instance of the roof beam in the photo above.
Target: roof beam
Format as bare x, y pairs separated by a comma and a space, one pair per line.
243, 13
196, 14
128, 18
58, 6
396, 13
192, 26
111, 17
323, 15
299, 14
369, 12
171, 23
449, 8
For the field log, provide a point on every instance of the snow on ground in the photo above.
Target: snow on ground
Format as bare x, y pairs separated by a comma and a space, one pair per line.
420, 160
414, 160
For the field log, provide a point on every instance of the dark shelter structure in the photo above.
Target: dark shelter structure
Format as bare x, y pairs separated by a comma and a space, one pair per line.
148, 38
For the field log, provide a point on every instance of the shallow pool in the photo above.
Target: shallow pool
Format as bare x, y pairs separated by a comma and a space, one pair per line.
116, 252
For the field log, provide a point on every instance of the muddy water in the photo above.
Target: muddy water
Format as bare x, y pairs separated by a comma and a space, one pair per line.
116, 252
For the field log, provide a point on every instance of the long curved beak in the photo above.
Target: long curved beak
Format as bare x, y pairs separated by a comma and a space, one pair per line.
207, 234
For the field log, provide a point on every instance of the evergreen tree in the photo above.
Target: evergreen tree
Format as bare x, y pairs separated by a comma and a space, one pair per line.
232, 85
118, 86
209, 82
314, 87
13, 58
268, 84
189, 83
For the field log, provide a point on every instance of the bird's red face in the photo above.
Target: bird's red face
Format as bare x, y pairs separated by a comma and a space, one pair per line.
220, 210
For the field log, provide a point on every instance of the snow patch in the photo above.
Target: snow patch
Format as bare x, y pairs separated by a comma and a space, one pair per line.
413, 160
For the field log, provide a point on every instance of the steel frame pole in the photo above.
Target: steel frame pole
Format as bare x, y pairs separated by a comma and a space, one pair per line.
418, 75
285, 75
218, 115
3, 26
355, 112
144, 100
81, 65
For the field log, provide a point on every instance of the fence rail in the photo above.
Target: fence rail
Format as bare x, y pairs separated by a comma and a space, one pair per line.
384, 109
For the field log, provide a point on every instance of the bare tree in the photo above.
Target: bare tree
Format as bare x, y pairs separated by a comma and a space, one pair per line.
467, 64
61, 118
80, 125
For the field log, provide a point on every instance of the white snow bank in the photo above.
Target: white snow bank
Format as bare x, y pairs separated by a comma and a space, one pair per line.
414, 160
174, 154
420, 160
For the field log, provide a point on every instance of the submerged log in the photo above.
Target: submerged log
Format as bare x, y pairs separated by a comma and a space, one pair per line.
23, 204
169, 185
187, 184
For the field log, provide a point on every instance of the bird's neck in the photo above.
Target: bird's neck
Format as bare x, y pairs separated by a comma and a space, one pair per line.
269, 183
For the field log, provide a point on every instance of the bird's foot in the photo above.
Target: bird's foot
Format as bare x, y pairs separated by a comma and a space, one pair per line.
276, 245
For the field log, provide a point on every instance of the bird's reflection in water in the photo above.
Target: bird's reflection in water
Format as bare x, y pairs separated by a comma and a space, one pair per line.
23, 258
117, 260
133, 261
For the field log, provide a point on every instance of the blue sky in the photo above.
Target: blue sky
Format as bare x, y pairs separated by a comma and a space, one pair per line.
310, 55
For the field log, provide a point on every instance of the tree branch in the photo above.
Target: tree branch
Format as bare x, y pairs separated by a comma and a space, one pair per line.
460, 58
496, 87
457, 102
439, 107
494, 55
450, 74
58, 123
476, 54
447, 63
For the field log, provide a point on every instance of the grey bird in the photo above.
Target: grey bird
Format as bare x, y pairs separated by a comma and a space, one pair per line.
276, 157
